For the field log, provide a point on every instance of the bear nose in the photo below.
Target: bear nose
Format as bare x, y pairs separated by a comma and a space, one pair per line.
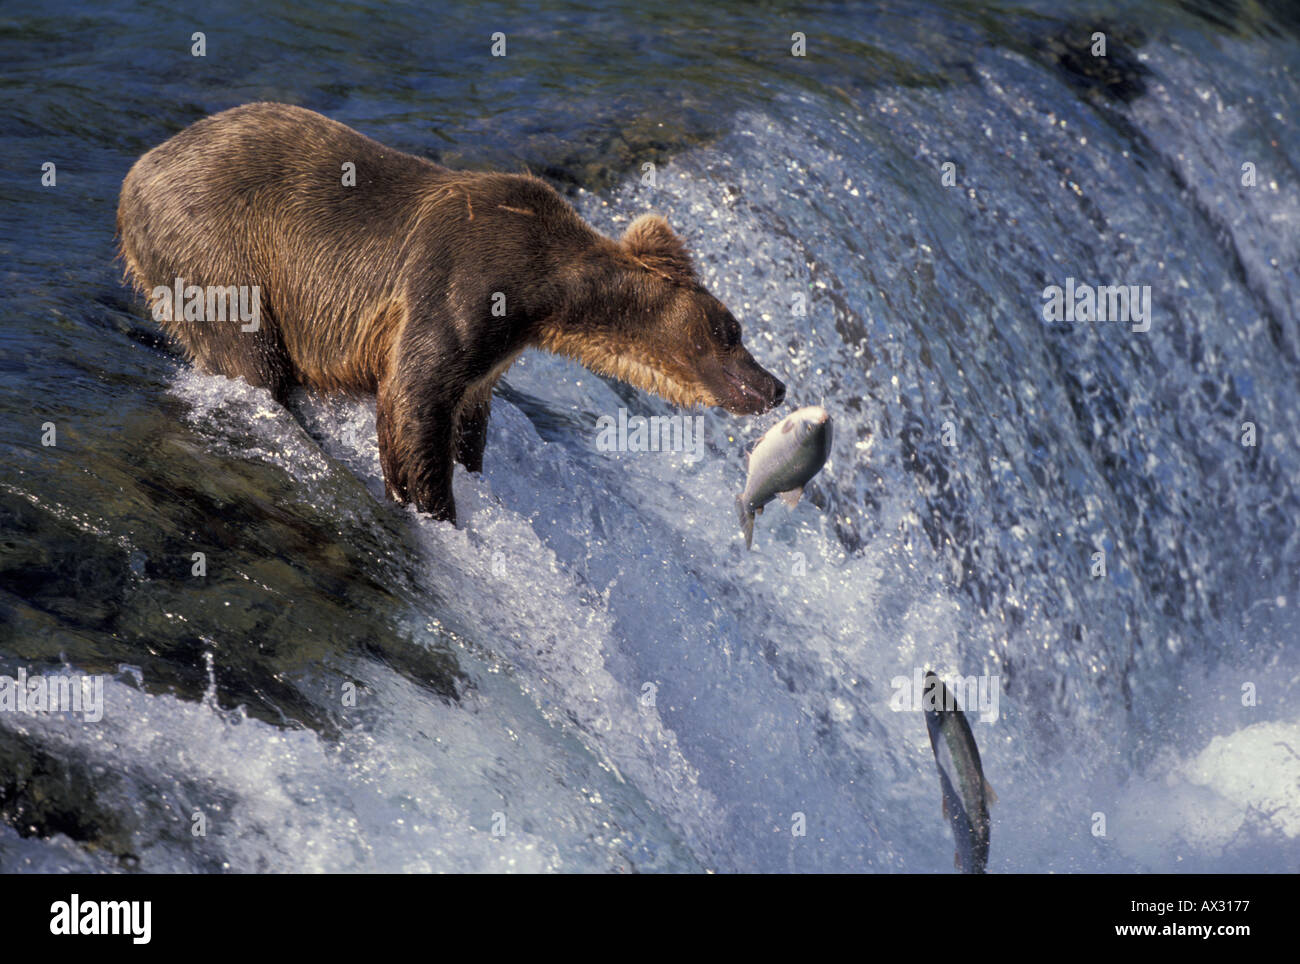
778, 396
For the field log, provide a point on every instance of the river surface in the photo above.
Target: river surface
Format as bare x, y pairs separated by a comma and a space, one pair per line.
591, 673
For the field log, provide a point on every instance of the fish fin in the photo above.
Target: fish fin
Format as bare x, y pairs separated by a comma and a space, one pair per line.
946, 814
792, 497
746, 520
989, 795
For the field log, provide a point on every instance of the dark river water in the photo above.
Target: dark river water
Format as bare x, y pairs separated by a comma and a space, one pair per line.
591, 673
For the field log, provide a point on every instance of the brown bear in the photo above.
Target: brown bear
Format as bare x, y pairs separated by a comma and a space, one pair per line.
376, 271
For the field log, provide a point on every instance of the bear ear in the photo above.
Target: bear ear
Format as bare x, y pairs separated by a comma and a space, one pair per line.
652, 242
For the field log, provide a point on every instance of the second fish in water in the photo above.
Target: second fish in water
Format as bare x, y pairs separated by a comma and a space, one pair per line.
788, 455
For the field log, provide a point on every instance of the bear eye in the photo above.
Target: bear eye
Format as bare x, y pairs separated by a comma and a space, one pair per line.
727, 334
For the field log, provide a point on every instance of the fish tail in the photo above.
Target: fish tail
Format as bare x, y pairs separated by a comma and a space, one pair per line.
746, 520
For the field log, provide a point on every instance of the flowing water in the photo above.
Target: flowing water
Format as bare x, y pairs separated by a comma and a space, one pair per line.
591, 673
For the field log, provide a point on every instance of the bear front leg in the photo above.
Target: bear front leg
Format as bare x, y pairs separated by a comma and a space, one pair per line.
471, 429
429, 467
416, 446
389, 461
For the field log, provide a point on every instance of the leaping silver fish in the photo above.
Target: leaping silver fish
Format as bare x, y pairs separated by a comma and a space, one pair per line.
788, 455
966, 794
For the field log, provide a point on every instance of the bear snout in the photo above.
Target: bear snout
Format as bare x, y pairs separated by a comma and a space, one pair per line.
750, 390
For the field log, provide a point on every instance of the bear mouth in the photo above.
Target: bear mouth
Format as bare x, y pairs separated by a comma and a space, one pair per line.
744, 399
